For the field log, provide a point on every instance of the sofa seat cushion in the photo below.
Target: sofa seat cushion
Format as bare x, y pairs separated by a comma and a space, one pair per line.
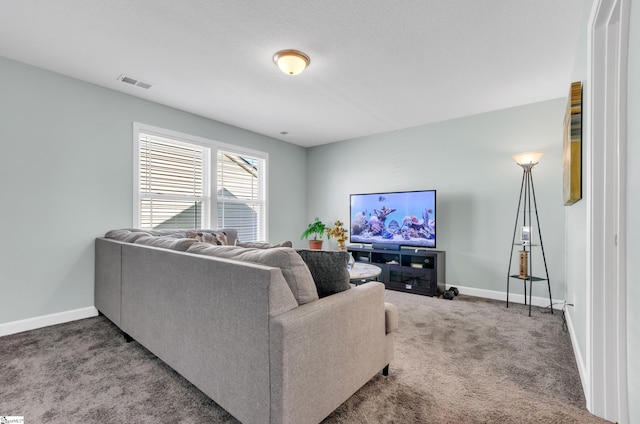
295, 271
329, 270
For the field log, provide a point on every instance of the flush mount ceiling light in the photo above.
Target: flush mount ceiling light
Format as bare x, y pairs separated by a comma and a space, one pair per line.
291, 62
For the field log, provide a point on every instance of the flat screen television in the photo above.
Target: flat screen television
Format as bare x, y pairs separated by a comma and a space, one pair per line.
406, 218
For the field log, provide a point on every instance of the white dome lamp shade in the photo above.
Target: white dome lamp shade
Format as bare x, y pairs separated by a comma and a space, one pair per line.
528, 160
291, 62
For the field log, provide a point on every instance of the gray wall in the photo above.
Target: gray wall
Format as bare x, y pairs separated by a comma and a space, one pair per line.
468, 160
66, 177
633, 206
576, 215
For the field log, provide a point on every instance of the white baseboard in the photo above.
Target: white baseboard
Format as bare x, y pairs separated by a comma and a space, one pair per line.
91, 311
542, 302
46, 320
582, 366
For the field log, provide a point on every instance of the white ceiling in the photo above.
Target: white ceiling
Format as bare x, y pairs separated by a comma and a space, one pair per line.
376, 65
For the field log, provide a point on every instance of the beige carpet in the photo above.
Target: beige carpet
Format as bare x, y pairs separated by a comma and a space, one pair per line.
467, 360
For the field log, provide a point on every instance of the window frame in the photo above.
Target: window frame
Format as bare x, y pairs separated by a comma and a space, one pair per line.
210, 216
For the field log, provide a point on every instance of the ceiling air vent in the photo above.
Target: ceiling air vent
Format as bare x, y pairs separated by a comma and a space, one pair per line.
144, 84
134, 81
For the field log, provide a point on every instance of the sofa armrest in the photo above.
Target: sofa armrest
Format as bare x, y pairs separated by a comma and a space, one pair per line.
324, 351
390, 317
108, 278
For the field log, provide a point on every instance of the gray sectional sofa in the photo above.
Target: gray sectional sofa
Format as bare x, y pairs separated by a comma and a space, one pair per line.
245, 324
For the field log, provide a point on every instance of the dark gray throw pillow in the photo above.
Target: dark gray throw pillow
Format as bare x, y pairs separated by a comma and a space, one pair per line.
328, 269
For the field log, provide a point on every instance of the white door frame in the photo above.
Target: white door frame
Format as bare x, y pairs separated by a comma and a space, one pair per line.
606, 391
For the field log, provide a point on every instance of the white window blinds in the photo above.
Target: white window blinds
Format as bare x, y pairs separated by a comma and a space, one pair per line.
173, 183
241, 199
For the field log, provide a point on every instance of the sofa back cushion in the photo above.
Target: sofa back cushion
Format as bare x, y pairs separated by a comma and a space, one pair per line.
295, 271
130, 235
179, 244
262, 245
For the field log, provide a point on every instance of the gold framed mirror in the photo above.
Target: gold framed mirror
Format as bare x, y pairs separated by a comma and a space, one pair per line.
572, 159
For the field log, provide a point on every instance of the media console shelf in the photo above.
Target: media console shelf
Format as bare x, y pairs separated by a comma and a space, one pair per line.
408, 270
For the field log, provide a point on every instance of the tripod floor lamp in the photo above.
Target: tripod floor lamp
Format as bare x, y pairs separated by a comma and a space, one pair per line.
527, 206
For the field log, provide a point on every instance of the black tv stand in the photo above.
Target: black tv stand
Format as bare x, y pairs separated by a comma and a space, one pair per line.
409, 270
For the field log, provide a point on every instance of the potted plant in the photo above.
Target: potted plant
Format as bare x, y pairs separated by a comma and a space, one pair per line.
317, 229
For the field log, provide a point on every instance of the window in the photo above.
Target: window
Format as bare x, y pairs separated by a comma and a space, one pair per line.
240, 198
174, 177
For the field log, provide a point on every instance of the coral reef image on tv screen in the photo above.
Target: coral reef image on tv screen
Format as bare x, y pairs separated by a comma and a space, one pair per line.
404, 218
